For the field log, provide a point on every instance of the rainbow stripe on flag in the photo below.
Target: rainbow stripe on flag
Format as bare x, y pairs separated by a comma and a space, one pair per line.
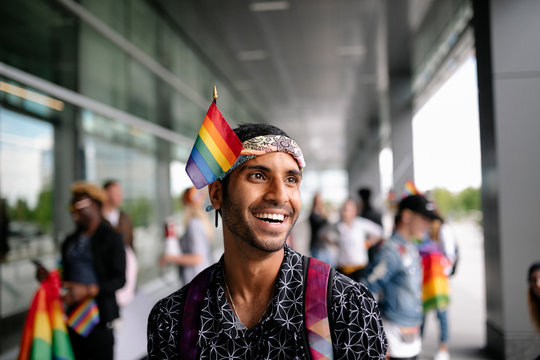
435, 286
84, 318
215, 150
409, 189
45, 334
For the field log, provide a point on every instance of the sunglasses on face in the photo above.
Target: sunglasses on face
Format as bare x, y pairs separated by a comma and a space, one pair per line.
79, 205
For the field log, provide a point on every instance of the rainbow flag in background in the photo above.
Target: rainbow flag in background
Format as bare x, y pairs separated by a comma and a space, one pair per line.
215, 150
409, 189
45, 334
84, 318
435, 286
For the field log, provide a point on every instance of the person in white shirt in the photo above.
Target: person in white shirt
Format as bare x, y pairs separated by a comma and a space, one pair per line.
354, 237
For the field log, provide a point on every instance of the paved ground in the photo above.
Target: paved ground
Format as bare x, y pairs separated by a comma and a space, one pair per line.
466, 313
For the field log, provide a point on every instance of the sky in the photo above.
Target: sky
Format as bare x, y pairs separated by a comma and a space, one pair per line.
446, 135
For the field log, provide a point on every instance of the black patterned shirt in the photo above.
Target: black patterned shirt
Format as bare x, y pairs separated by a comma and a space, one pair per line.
356, 326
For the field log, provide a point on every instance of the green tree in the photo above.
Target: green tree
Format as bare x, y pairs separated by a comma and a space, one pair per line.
21, 211
43, 211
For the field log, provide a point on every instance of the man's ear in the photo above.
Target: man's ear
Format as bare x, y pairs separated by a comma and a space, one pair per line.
215, 192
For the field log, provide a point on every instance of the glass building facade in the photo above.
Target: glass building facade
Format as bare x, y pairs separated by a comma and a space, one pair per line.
93, 90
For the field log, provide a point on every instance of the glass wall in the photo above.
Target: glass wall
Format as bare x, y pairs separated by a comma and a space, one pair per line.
26, 195
47, 143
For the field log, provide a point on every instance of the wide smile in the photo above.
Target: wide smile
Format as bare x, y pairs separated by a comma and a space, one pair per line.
271, 217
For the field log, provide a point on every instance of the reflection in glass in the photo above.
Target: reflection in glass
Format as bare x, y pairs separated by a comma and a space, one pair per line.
26, 175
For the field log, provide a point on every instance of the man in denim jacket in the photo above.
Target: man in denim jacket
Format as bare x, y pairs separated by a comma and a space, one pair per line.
395, 275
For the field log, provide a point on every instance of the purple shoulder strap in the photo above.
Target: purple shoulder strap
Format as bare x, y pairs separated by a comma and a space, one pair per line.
316, 310
190, 318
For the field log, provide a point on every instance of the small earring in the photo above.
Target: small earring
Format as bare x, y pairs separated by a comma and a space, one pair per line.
216, 218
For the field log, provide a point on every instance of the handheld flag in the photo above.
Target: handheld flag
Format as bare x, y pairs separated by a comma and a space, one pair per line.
84, 318
215, 150
45, 335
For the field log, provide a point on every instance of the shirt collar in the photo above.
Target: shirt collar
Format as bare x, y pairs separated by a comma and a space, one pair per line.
285, 310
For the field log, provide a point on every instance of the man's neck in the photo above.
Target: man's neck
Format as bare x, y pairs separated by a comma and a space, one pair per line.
251, 282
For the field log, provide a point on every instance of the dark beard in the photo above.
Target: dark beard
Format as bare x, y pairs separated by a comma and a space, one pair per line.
237, 227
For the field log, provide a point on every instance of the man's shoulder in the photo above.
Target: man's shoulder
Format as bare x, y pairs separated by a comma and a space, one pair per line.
174, 302
170, 305
347, 291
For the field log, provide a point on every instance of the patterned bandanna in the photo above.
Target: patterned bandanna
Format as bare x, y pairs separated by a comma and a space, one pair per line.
261, 145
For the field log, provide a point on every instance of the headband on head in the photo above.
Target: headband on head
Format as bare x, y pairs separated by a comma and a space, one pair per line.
265, 144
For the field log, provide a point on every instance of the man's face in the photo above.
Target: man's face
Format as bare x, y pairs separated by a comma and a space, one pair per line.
534, 282
115, 195
419, 225
82, 210
262, 201
348, 211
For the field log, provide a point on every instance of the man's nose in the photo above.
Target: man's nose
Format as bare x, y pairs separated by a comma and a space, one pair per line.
277, 191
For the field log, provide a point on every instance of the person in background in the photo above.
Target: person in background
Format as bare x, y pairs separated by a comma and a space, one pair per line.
4, 229
395, 275
365, 209
318, 222
119, 219
355, 235
122, 224
195, 244
93, 266
436, 285
533, 296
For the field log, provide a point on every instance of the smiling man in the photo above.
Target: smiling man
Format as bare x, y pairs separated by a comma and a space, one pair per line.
263, 300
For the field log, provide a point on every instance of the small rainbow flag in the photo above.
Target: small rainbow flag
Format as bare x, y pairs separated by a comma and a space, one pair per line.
84, 318
215, 150
410, 189
45, 334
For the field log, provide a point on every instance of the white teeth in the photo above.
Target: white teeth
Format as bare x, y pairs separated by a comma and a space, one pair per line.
277, 217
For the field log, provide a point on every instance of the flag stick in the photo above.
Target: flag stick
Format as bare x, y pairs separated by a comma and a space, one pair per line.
214, 94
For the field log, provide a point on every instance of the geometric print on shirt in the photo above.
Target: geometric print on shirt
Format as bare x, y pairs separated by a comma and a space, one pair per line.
357, 331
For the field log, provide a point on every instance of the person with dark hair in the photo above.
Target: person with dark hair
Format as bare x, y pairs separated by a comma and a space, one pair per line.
395, 274
263, 300
118, 218
93, 268
533, 294
365, 209
121, 222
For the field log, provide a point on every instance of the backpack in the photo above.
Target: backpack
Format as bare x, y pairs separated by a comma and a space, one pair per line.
317, 292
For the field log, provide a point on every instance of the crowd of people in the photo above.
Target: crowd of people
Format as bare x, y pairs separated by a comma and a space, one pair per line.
359, 295
408, 273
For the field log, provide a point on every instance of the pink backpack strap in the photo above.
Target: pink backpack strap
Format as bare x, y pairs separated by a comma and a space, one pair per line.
191, 318
316, 309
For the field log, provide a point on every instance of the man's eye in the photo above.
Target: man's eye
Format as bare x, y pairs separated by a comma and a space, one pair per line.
293, 180
257, 176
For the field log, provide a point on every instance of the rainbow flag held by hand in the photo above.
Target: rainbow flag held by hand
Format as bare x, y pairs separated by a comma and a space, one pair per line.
84, 317
215, 150
45, 334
